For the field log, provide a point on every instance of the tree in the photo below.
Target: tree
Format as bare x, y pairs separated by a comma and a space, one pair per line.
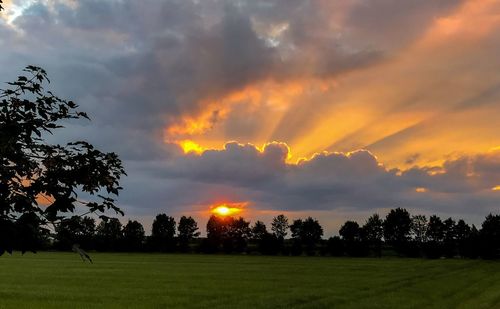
227, 232
109, 235
490, 237
259, 231
373, 232
350, 231
435, 236
133, 236
216, 231
449, 237
1, 7
306, 233
397, 226
237, 235
188, 230
266, 242
435, 229
464, 236
163, 233
75, 230
279, 226
32, 169
352, 235
419, 228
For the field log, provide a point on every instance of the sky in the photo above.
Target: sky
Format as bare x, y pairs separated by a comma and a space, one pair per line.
334, 109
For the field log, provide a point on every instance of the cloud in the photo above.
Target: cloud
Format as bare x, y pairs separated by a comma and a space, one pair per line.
337, 181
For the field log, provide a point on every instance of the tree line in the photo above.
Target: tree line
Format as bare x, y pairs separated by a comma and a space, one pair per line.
399, 233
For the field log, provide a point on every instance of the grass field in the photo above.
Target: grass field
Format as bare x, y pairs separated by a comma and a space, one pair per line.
62, 280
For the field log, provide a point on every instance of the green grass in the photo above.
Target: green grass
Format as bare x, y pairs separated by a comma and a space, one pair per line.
62, 280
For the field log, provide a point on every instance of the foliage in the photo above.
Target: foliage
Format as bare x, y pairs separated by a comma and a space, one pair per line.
490, 237
259, 231
350, 231
227, 233
373, 230
397, 227
188, 230
109, 235
306, 233
279, 226
133, 236
163, 232
75, 230
435, 229
355, 242
419, 228
372, 233
237, 235
31, 170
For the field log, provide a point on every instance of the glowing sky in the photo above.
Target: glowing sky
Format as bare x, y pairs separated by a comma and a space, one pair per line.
334, 109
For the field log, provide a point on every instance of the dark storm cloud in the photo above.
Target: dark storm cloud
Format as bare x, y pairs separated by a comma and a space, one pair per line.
331, 181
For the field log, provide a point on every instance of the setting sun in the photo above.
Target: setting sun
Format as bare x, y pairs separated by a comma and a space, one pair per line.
225, 210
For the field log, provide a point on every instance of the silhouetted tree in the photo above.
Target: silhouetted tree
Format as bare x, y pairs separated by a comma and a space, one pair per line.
280, 226
490, 237
259, 230
435, 229
472, 246
353, 243
435, 236
188, 230
463, 233
109, 235
133, 236
449, 238
227, 232
266, 242
418, 233
306, 233
419, 228
216, 232
238, 233
373, 232
350, 231
75, 230
397, 226
31, 168
163, 233
296, 229
87, 233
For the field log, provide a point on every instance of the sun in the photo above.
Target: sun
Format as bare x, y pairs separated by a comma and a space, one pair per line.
225, 210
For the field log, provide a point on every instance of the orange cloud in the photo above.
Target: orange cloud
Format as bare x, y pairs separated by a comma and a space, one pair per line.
189, 146
421, 101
